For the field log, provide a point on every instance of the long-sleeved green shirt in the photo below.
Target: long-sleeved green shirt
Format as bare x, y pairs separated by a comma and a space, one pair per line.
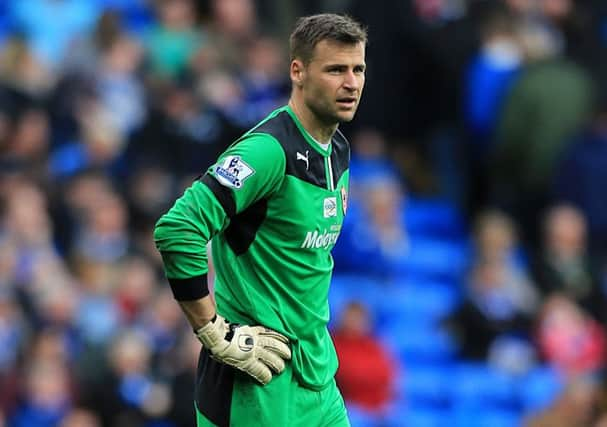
273, 205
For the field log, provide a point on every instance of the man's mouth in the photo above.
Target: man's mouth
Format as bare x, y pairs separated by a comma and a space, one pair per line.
347, 101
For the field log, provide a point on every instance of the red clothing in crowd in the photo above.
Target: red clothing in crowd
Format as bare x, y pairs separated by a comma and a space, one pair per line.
575, 351
366, 372
569, 338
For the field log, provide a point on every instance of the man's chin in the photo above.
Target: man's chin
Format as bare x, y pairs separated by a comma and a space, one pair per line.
346, 116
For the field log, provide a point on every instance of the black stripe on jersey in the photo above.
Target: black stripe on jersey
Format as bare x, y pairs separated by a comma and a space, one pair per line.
296, 148
243, 227
283, 128
340, 156
223, 194
214, 387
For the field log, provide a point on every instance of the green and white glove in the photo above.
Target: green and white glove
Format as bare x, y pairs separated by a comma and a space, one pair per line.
255, 350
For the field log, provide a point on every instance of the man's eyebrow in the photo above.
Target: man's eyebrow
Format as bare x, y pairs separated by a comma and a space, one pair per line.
343, 65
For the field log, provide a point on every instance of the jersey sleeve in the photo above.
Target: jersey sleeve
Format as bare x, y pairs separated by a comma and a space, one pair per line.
249, 170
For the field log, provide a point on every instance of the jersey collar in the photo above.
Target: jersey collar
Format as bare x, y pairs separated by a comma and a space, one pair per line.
309, 139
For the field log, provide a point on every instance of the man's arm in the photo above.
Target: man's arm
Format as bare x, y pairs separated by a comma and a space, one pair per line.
256, 350
199, 312
247, 172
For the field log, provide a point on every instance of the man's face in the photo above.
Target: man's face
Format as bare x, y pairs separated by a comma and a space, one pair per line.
332, 82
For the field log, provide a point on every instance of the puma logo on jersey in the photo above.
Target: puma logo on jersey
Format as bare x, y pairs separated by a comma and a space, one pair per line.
304, 158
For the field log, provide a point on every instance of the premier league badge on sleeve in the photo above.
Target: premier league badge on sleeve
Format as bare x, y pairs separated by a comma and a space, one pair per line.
344, 199
232, 171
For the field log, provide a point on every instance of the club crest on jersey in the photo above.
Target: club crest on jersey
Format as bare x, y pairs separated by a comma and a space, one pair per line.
344, 199
330, 207
233, 171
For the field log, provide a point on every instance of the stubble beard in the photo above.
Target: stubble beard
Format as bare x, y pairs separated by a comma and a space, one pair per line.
326, 116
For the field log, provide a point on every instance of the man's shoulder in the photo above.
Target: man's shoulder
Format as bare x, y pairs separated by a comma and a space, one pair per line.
278, 124
281, 127
270, 129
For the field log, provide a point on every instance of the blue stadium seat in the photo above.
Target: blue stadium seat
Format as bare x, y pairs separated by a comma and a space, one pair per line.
124, 4
433, 218
360, 418
425, 303
415, 343
486, 418
476, 385
6, 23
435, 259
425, 385
420, 417
539, 389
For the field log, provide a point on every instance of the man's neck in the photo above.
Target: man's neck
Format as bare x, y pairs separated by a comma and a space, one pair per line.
321, 132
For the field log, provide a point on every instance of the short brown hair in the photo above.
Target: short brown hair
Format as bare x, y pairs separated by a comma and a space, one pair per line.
309, 30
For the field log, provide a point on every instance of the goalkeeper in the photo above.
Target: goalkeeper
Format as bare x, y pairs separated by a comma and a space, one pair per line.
273, 204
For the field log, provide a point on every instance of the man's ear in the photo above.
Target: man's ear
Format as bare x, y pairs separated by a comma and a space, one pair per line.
297, 72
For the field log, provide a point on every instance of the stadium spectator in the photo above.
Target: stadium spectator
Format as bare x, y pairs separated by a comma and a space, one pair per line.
263, 84
564, 264
135, 287
498, 305
28, 144
173, 39
582, 172
366, 370
488, 80
490, 75
22, 72
120, 91
80, 417
569, 339
46, 397
556, 93
184, 132
496, 239
183, 382
162, 325
128, 394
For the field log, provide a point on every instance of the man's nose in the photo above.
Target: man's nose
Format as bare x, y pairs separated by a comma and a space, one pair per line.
351, 81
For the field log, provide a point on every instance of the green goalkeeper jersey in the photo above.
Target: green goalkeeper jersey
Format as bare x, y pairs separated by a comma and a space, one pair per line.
273, 205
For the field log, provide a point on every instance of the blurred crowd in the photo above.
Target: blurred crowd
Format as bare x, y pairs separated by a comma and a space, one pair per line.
476, 234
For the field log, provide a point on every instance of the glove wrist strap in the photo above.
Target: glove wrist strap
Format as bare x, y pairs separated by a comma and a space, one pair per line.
212, 333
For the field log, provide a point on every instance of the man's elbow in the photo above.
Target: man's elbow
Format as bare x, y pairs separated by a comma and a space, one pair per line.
160, 232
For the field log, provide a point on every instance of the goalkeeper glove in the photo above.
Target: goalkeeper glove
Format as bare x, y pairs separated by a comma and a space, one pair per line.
255, 350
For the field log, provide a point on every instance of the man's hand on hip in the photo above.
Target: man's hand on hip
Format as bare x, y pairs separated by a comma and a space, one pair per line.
255, 350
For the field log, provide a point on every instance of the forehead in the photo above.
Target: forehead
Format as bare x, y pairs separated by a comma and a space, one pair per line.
331, 51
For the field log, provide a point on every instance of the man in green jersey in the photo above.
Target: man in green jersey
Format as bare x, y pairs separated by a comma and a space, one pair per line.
273, 205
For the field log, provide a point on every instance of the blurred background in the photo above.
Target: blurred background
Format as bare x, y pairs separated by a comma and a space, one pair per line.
470, 281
